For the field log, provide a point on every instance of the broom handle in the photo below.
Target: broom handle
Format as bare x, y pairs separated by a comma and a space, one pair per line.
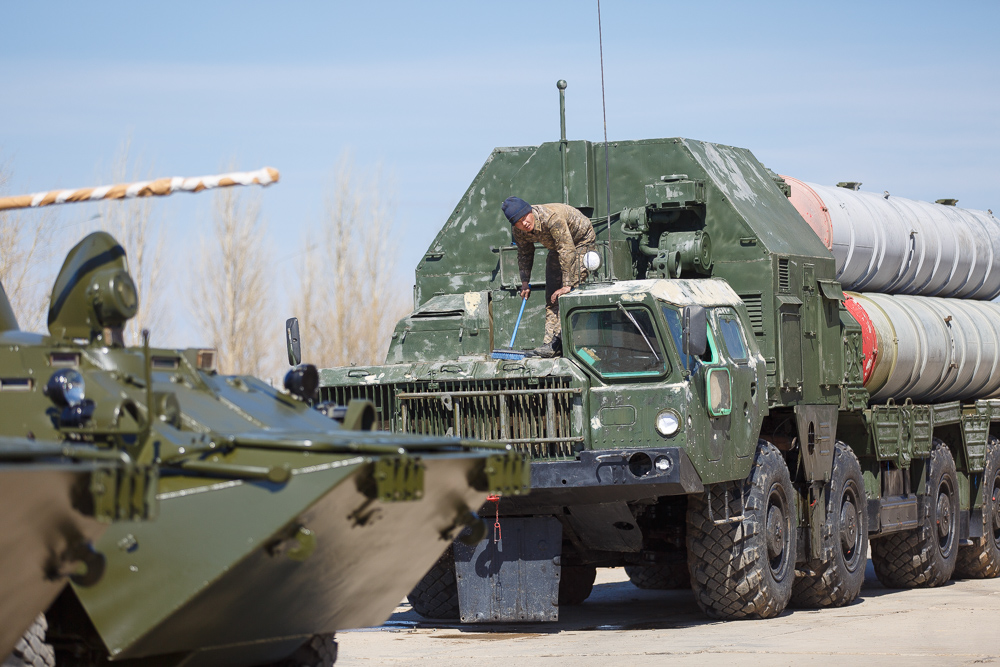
514, 335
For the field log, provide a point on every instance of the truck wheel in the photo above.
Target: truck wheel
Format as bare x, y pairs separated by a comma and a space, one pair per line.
745, 569
837, 582
982, 559
659, 576
575, 584
436, 595
924, 557
31, 649
320, 651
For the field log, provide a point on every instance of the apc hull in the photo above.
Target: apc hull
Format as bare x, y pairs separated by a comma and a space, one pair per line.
217, 590
40, 526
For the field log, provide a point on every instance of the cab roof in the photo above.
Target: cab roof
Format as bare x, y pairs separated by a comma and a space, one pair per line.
697, 292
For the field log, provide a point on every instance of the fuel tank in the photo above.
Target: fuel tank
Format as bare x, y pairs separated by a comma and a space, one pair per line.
895, 245
926, 348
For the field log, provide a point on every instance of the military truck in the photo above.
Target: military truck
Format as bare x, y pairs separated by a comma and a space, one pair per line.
723, 414
276, 525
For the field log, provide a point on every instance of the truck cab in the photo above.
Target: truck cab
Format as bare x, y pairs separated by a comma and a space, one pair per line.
670, 364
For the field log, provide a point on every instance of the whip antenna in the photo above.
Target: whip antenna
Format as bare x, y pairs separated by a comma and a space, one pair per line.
604, 111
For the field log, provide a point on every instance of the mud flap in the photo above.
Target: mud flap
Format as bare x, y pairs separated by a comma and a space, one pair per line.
515, 578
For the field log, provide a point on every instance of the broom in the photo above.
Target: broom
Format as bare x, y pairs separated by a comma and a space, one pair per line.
511, 353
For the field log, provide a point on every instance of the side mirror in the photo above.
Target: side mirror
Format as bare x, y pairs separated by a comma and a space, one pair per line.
694, 321
292, 341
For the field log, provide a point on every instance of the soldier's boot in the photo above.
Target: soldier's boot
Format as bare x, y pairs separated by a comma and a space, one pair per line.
549, 350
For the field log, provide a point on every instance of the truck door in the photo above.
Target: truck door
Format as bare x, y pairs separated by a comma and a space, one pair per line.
723, 383
734, 353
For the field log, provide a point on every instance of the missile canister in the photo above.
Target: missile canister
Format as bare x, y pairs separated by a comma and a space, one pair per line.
926, 348
902, 246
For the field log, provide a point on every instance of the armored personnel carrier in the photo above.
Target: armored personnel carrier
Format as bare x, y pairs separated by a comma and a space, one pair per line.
59, 495
723, 414
60, 487
276, 526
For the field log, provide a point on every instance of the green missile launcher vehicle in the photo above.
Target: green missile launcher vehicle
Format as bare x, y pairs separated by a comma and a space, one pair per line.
722, 415
275, 525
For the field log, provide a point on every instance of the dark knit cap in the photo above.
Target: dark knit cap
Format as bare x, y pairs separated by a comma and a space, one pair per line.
515, 209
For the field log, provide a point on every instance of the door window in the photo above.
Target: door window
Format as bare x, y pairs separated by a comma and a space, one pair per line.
732, 334
673, 318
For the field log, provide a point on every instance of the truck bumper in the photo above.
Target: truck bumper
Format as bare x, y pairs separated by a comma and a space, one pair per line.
607, 476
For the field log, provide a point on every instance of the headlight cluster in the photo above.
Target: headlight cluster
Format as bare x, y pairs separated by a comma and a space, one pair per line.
66, 388
668, 422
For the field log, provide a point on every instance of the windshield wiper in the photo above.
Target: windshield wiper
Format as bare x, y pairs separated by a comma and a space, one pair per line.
639, 329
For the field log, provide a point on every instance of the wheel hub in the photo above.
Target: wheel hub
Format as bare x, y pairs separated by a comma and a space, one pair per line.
775, 531
943, 515
848, 526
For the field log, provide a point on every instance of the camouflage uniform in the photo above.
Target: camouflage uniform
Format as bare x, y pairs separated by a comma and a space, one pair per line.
568, 234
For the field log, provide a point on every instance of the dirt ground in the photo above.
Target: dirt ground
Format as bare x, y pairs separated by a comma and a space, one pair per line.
622, 625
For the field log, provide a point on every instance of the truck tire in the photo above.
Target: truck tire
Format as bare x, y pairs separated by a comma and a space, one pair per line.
660, 576
982, 559
837, 582
436, 595
745, 569
320, 651
575, 584
924, 557
31, 649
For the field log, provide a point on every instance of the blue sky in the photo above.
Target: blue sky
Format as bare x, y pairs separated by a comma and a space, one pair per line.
903, 96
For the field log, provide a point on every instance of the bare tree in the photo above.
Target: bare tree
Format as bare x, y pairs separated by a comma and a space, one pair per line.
131, 222
25, 248
232, 288
348, 299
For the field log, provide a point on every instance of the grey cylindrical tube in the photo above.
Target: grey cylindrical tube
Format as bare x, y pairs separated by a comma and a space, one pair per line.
933, 349
896, 245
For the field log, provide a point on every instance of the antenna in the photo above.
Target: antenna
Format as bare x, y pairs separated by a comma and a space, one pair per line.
607, 169
563, 145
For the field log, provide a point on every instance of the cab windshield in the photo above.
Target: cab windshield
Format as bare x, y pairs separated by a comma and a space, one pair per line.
617, 342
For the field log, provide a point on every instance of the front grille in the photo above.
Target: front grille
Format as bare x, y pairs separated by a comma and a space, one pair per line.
535, 415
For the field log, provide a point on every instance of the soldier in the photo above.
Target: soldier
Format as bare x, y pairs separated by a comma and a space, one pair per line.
568, 234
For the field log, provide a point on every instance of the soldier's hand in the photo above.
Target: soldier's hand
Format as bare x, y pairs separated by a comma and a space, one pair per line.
559, 292
525, 290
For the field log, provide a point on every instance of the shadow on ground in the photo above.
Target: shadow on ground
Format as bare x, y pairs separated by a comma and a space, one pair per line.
616, 605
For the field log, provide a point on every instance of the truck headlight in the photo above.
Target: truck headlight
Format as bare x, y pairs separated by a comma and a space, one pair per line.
66, 388
667, 422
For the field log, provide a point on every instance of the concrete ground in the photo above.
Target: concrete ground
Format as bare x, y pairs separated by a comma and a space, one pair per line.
622, 625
